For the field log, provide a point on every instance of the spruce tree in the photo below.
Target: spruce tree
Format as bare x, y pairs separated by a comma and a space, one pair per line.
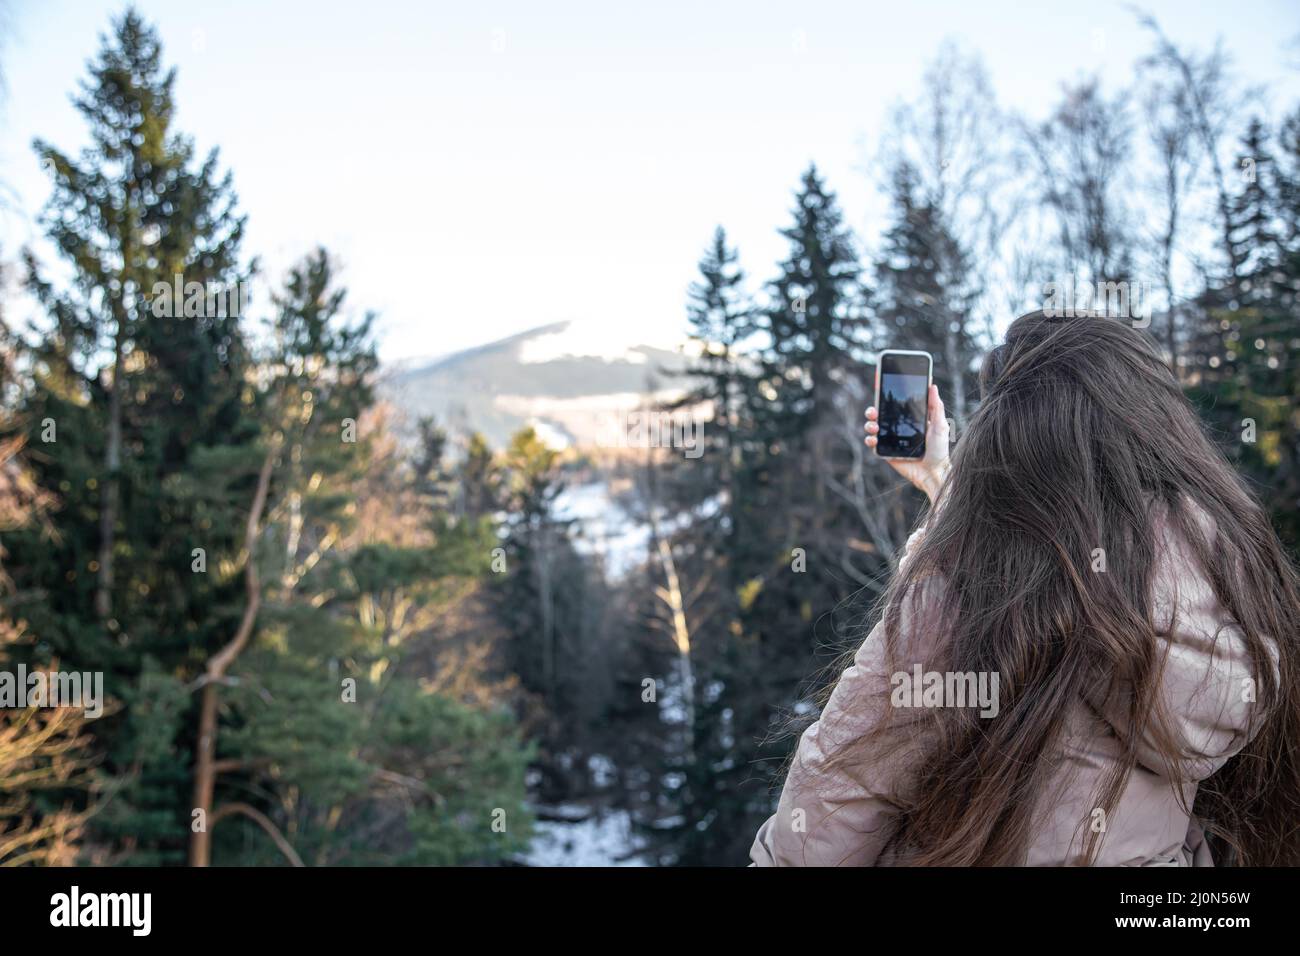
361, 761
815, 319
132, 394
924, 295
721, 318
1246, 334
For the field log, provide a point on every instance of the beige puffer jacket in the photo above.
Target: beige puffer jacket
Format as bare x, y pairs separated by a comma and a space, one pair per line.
825, 818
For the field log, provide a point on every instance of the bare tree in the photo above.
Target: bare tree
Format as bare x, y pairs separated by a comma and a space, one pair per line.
954, 137
874, 494
41, 749
1082, 154
1169, 124
1213, 105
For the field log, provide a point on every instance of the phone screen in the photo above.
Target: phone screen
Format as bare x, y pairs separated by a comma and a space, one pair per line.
902, 404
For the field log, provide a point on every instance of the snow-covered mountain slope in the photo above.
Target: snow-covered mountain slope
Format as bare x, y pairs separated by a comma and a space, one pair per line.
568, 380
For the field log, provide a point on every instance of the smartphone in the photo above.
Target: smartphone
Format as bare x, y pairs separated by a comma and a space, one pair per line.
902, 402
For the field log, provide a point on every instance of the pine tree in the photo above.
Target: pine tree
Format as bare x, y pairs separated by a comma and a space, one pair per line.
815, 320
924, 295
1246, 344
721, 319
753, 644
478, 479
316, 385
323, 712
535, 539
134, 398
132, 212
694, 570
549, 602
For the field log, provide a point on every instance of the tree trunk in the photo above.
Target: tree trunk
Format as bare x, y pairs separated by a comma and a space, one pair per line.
671, 595
205, 762
109, 494
546, 601
953, 358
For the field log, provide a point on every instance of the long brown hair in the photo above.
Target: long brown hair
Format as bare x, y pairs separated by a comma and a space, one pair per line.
1082, 434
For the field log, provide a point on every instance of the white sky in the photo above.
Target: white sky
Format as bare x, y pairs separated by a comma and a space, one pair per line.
482, 171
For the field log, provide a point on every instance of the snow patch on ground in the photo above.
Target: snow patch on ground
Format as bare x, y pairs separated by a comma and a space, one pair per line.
599, 840
605, 528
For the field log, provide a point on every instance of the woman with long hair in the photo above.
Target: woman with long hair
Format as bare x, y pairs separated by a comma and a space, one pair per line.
1092, 559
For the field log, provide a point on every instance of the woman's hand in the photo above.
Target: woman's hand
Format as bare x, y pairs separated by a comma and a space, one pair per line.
927, 473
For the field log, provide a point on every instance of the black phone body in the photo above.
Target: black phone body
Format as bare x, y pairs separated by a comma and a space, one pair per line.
902, 402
